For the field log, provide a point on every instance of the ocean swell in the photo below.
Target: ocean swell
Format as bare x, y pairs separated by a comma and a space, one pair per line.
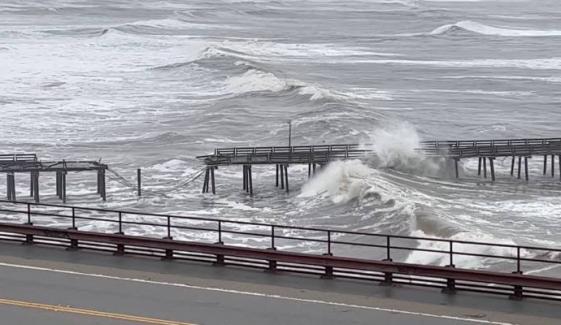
482, 29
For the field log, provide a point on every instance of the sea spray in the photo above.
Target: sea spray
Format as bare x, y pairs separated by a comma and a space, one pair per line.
341, 181
396, 146
421, 257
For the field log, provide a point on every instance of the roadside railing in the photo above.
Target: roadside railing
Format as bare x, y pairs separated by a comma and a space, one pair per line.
509, 258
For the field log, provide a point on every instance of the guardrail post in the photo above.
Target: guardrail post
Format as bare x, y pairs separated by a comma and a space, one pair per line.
272, 263
74, 218
120, 247
328, 269
168, 252
29, 214
28, 237
388, 276
518, 293
219, 257
73, 242
450, 283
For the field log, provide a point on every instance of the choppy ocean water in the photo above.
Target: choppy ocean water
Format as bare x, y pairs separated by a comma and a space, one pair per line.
152, 84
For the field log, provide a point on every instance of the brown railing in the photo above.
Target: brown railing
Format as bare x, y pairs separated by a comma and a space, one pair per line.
383, 250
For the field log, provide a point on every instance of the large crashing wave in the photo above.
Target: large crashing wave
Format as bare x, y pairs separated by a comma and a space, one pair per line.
482, 29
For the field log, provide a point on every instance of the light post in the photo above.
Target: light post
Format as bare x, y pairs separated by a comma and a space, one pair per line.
290, 133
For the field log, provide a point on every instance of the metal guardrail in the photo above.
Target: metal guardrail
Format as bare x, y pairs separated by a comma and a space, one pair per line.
324, 241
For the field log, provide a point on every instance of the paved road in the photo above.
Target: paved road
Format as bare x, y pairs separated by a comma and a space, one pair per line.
94, 288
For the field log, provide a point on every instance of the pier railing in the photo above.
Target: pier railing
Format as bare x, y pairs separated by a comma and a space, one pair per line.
289, 248
284, 155
492, 148
16, 158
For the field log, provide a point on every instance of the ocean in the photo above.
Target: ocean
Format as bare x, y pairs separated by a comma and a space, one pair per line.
153, 84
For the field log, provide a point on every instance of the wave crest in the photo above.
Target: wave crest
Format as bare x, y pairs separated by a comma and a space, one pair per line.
482, 29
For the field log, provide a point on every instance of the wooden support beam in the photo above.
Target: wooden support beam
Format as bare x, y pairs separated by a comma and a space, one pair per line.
314, 168
286, 177
103, 186
309, 170
456, 167
205, 181
277, 175
526, 168
244, 177
139, 182
553, 166
484, 167
13, 180
36, 187
479, 167
212, 178
519, 166
544, 164
99, 182
63, 186
250, 180
282, 175
31, 184
57, 184
492, 165
8, 188
512, 166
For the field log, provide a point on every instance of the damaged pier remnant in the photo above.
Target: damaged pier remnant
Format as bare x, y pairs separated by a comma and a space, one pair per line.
12, 164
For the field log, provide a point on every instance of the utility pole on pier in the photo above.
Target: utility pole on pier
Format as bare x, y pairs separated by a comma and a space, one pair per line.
290, 133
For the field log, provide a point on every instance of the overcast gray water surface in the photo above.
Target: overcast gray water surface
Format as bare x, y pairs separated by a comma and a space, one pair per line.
152, 84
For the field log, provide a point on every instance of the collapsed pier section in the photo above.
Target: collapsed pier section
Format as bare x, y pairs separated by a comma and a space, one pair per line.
12, 164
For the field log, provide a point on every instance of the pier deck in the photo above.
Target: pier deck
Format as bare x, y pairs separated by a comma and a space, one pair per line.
281, 157
319, 155
489, 150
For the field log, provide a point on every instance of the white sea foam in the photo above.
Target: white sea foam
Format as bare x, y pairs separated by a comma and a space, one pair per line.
341, 181
479, 28
420, 257
553, 63
255, 80
551, 79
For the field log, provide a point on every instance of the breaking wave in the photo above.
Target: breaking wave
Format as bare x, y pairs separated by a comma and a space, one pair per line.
482, 29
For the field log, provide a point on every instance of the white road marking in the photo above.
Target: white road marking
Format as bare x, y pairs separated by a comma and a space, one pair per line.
255, 294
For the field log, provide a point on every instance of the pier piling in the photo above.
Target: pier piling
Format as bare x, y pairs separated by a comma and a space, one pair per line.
512, 166
526, 168
479, 167
492, 166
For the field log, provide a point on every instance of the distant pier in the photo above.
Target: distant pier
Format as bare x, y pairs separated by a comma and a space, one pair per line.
11, 164
316, 156
489, 150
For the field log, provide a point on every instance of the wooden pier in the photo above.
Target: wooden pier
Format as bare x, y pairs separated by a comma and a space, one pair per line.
486, 151
282, 157
11, 164
489, 150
